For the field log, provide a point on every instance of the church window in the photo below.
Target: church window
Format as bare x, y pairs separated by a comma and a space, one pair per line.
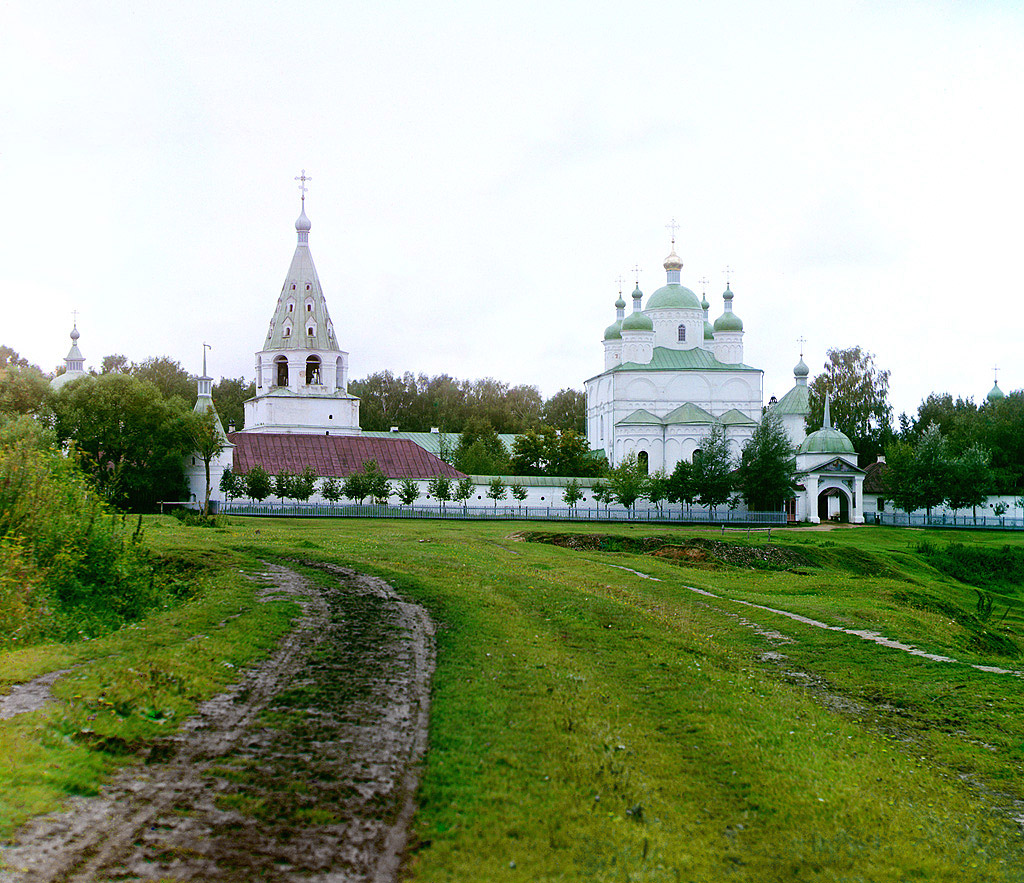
682, 333
287, 332
291, 307
293, 286
310, 331
309, 307
307, 286
312, 371
282, 370
643, 461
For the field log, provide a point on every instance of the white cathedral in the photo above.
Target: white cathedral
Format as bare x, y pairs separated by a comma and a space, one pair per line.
670, 376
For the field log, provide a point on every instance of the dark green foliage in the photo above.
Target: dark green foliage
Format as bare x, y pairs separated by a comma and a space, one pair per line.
23, 387
168, 376
496, 490
480, 451
304, 484
232, 485
331, 490
712, 470
464, 488
679, 486
229, 395
767, 464
657, 488
258, 483
549, 452
408, 491
572, 494
440, 488
131, 439
859, 395
518, 492
69, 565
284, 485
627, 482
999, 570
566, 409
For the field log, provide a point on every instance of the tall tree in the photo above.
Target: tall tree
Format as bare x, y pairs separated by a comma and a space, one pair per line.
767, 465
133, 441
712, 470
480, 451
566, 409
919, 474
627, 482
680, 486
23, 387
168, 376
859, 393
229, 395
969, 479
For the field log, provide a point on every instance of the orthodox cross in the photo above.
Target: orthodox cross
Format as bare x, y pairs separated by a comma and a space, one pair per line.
703, 283
728, 273
801, 340
206, 347
636, 271
74, 316
620, 281
672, 229
302, 179
995, 369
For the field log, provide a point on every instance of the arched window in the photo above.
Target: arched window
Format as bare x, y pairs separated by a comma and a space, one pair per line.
682, 333
287, 331
293, 286
313, 371
282, 370
643, 462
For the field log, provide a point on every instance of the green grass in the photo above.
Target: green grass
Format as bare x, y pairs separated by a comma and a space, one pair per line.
589, 723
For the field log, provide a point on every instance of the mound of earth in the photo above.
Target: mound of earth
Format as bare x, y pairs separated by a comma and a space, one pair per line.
688, 551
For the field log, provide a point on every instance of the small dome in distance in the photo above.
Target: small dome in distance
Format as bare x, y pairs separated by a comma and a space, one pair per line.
637, 322
302, 224
801, 369
995, 394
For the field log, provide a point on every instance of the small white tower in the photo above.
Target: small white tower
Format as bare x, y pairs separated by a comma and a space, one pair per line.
195, 463
728, 332
613, 334
637, 333
74, 361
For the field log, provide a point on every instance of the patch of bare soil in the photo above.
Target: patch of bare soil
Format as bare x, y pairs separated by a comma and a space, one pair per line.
306, 769
693, 552
29, 696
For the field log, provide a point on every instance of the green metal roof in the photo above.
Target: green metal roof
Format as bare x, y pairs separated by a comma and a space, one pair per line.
709, 330
689, 414
694, 359
826, 441
613, 331
796, 401
641, 418
673, 297
735, 417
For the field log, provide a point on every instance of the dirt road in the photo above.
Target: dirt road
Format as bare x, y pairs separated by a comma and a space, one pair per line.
305, 770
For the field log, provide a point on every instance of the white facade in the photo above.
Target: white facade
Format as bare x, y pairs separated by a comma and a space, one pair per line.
302, 372
670, 377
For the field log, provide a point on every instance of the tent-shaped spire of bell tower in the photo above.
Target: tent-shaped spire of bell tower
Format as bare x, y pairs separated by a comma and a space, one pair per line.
301, 371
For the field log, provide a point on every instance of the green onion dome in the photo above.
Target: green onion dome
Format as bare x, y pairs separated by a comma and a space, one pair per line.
709, 330
995, 394
637, 322
673, 297
728, 322
613, 331
801, 370
826, 441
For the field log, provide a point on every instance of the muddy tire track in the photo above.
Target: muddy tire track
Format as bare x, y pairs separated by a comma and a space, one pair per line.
306, 769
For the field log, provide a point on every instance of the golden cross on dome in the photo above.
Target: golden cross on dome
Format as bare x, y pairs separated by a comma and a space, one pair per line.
302, 179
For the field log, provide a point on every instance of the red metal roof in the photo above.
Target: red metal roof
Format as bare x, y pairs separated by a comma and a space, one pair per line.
335, 456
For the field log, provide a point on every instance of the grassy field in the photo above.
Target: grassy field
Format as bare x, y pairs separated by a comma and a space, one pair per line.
595, 718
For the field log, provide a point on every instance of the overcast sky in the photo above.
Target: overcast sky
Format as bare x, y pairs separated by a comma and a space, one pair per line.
484, 172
